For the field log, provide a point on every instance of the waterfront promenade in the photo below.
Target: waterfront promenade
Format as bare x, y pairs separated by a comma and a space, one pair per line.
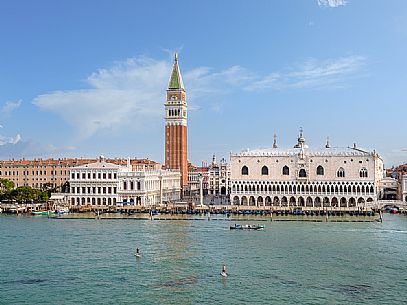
192, 211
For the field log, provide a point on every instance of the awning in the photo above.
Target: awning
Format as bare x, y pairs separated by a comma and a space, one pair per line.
57, 197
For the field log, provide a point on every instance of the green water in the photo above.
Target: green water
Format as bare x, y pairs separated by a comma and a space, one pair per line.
88, 261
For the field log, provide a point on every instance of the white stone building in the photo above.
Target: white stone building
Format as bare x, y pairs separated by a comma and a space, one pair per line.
219, 177
104, 184
404, 188
300, 177
94, 183
148, 188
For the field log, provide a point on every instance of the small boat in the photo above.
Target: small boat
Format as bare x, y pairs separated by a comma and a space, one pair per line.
62, 210
393, 211
41, 212
247, 227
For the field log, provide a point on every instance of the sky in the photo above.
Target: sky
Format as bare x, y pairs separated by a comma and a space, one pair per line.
85, 78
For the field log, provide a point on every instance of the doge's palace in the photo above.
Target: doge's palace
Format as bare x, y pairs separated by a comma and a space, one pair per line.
302, 177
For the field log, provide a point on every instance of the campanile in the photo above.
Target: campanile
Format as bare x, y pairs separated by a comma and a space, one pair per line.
176, 125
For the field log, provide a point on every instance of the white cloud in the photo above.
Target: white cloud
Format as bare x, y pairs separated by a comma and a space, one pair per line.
313, 74
14, 147
9, 107
132, 92
203, 81
9, 140
332, 3
124, 94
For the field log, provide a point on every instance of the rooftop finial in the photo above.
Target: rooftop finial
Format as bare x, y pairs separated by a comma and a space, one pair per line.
275, 141
301, 137
176, 56
327, 143
301, 140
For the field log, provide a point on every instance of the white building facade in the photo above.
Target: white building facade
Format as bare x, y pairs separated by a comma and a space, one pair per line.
147, 188
106, 184
219, 177
94, 184
404, 188
300, 177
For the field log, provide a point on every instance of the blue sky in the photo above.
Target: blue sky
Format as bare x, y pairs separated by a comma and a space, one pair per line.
83, 78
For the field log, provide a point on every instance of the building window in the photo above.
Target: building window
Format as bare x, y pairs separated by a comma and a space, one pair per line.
245, 170
264, 170
302, 173
340, 173
320, 170
363, 173
286, 170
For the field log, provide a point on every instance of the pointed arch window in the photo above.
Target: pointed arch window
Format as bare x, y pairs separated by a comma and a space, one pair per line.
340, 173
264, 170
363, 173
302, 173
320, 171
245, 170
286, 170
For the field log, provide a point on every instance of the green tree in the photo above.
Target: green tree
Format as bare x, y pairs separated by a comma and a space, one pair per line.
6, 187
48, 188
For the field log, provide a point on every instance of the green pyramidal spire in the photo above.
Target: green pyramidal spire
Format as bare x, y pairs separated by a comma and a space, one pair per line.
175, 79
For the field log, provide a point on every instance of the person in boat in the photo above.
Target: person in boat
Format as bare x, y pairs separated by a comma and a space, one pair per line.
138, 252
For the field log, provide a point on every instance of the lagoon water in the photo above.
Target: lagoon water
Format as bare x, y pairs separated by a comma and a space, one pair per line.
89, 261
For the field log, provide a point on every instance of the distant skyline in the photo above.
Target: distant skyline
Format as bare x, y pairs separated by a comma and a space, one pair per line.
81, 79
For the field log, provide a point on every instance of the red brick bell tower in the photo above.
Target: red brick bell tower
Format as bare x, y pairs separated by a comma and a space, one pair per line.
176, 156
